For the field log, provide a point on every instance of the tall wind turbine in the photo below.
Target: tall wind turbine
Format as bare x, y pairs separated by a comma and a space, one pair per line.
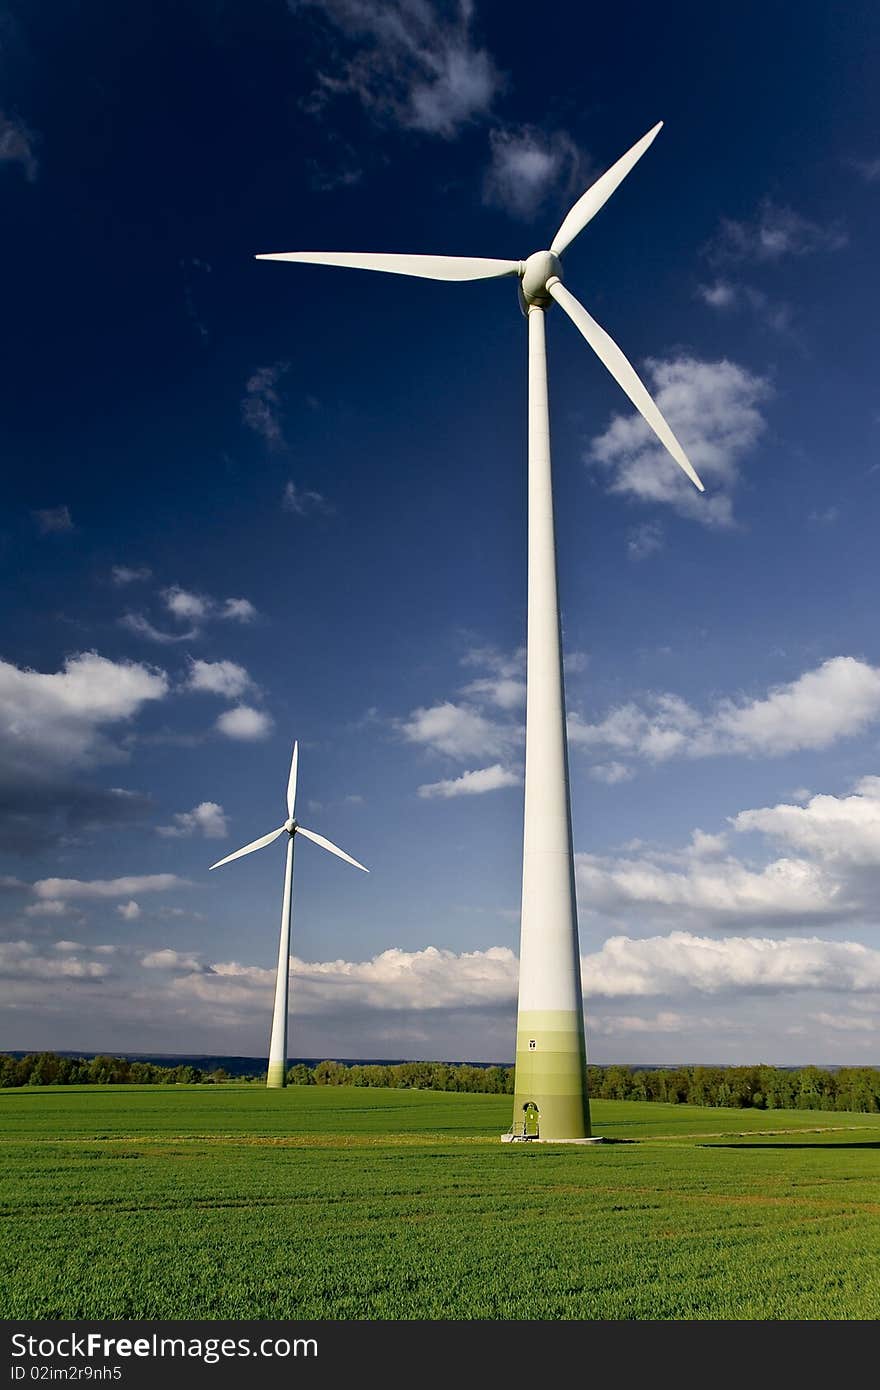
277, 1074
550, 1048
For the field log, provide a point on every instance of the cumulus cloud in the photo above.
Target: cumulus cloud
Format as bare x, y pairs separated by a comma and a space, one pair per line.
682, 963
18, 959
224, 678
714, 408
721, 295
839, 830
17, 145
303, 501
58, 720
127, 574
207, 819
457, 730
414, 65
647, 539
261, 404
194, 608
54, 520
611, 773
167, 959
237, 610
49, 907
130, 911
712, 891
245, 723
526, 164
727, 296
774, 232
484, 779
837, 700
676, 966
393, 980
108, 887
505, 685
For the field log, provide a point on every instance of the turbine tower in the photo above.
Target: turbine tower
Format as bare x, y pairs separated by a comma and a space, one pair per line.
550, 1048
277, 1073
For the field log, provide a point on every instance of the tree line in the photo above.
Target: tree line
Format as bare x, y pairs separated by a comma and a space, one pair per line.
754, 1087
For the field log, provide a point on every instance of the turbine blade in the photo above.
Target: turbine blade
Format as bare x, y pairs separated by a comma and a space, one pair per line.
291, 781
426, 267
609, 353
597, 194
334, 849
249, 849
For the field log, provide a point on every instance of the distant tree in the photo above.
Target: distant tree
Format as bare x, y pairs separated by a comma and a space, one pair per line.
300, 1075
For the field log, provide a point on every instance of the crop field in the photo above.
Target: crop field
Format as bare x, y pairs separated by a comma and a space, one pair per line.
336, 1202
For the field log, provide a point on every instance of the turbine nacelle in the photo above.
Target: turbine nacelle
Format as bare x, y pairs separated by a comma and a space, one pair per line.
540, 267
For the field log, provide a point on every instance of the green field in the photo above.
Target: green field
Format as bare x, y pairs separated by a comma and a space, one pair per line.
334, 1202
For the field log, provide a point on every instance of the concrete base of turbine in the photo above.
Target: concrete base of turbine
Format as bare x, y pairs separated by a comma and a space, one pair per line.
276, 1075
528, 1139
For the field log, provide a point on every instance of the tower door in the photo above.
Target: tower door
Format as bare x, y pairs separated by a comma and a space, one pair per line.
531, 1116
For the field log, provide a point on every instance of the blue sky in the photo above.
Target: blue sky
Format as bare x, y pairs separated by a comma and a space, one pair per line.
249, 502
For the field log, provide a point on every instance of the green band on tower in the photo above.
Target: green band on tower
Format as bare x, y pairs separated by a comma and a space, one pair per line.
551, 1074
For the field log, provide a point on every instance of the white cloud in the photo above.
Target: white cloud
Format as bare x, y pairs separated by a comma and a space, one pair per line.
207, 819
237, 610
58, 719
224, 678
261, 405
167, 959
714, 410
195, 608
17, 145
303, 501
457, 730
393, 980
677, 965
611, 773
837, 700
841, 830
526, 164
49, 907
185, 605
647, 539
721, 295
125, 574
868, 168
792, 890
407, 63
142, 627
775, 232
244, 722
107, 887
682, 963
505, 686
19, 960
54, 520
130, 911
484, 779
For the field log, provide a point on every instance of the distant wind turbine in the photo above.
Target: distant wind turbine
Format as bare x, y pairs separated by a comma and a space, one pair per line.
550, 1048
277, 1074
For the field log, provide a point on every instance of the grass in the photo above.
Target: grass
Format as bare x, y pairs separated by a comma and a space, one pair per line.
325, 1202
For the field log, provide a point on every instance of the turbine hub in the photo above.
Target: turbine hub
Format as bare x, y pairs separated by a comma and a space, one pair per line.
539, 268
290, 827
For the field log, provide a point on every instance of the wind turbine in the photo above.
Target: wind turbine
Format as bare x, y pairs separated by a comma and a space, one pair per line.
277, 1073
550, 1048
